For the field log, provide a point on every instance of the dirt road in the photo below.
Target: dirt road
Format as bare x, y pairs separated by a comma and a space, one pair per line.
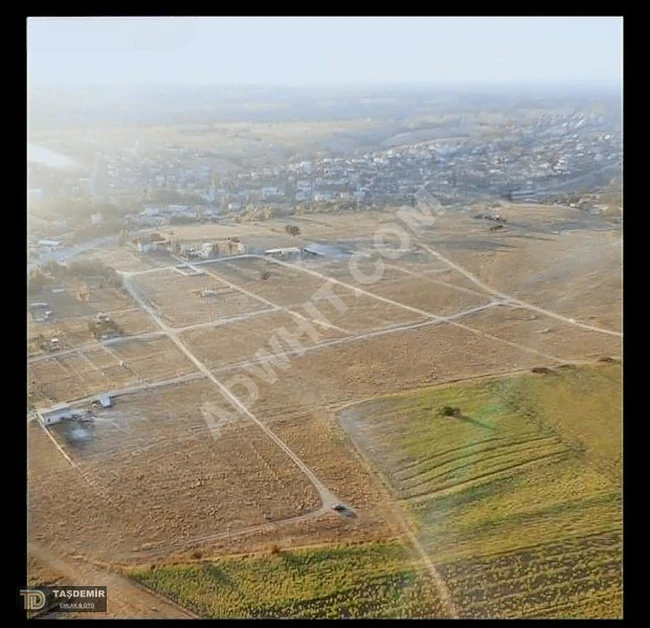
328, 499
125, 598
445, 319
514, 300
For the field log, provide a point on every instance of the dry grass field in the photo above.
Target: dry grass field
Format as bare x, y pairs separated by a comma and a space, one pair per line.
77, 375
155, 464
178, 298
515, 480
71, 316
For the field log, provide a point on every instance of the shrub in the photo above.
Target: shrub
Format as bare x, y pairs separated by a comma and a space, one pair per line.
292, 230
449, 411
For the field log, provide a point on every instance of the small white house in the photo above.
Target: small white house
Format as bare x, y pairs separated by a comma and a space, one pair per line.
105, 401
50, 244
283, 252
55, 414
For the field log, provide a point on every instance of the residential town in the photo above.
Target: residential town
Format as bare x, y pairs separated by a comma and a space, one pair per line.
523, 160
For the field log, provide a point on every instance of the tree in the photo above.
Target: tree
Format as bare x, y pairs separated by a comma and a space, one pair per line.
450, 411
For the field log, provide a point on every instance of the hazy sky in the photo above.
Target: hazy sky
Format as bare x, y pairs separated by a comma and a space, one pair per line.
91, 51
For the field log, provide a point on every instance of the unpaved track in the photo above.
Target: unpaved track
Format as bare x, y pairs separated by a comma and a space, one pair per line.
73, 464
106, 344
227, 319
514, 300
424, 313
291, 313
186, 263
402, 527
93, 345
438, 282
128, 390
342, 341
326, 496
125, 598
262, 527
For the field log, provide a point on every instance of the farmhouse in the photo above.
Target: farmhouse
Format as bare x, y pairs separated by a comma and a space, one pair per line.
55, 414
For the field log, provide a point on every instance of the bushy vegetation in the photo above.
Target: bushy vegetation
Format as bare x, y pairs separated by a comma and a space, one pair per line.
292, 230
578, 577
531, 465
104, 328
369, 580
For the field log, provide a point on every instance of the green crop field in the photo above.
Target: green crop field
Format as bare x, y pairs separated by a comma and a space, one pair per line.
517, 494
369, 580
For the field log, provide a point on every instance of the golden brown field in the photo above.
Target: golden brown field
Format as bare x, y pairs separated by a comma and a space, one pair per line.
152, 485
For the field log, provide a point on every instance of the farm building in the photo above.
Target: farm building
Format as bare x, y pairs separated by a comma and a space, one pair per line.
55, 414
325, 250
284, 252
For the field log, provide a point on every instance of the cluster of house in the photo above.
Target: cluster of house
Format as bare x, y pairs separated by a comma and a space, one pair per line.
523, 155
191, 250
208, 250
520, 157
153, 215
